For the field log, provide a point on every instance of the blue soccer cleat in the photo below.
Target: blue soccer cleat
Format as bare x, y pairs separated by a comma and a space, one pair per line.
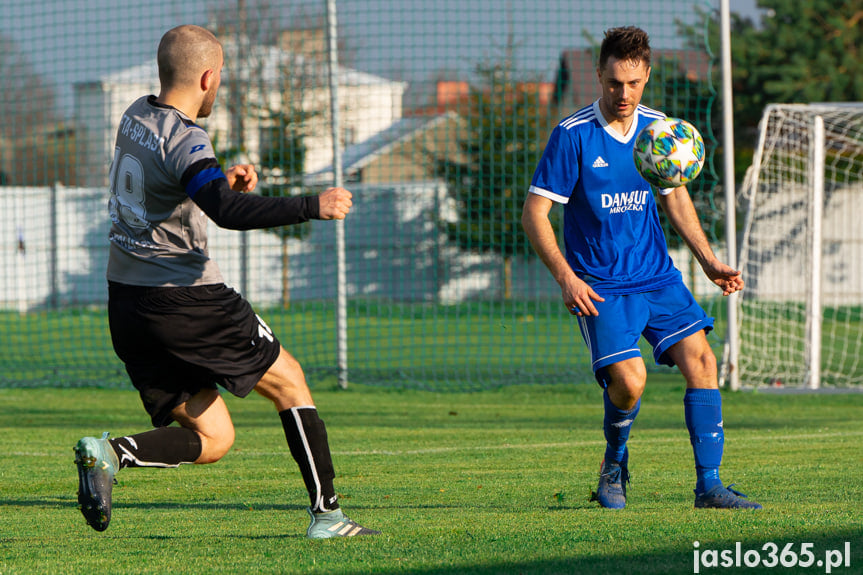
611, 492
97, 464
335, 524
721, 497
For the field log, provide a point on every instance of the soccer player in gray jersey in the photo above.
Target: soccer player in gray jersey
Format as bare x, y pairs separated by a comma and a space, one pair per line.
178, 328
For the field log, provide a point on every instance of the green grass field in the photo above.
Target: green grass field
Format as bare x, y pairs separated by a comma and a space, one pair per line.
493, 482
470, 346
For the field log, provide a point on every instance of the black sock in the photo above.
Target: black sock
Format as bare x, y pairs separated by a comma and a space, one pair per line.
307, 440
160, 447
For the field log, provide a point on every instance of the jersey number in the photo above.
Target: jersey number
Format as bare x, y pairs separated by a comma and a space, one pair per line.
127, 191
264, 330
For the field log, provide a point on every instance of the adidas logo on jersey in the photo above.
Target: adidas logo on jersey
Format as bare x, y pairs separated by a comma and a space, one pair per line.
600, 163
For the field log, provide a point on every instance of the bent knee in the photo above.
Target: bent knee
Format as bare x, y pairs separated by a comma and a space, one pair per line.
626, 387
627, 393
285, 384
213, 448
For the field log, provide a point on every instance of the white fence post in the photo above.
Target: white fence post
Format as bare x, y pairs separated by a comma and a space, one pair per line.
341, 296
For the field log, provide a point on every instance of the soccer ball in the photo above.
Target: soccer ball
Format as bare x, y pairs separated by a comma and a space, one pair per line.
669, 152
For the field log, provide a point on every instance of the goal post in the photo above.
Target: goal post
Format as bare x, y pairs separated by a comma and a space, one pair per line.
799, 321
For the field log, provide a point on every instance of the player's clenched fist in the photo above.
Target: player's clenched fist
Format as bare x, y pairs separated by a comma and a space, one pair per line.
335, 203
242, 177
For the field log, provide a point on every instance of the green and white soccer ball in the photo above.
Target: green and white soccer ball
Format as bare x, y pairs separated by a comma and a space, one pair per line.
669, 152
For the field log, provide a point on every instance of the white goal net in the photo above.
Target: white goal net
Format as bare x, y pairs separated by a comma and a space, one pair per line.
799, 318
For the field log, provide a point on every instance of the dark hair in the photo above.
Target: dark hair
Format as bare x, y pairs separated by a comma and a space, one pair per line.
625, 43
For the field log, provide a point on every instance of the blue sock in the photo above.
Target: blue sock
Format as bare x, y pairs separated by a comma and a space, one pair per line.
617, 424
703, 411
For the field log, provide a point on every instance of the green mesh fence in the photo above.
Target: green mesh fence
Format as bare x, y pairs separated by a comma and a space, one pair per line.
444, 108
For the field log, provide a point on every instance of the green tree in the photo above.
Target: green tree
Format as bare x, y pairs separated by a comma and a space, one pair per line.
26, 101
499, 146
34, 148
277, 107
679, 95
282, 164
802, 52
799, 52
283, 158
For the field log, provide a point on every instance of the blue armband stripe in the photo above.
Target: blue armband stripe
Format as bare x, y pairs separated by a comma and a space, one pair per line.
201, 179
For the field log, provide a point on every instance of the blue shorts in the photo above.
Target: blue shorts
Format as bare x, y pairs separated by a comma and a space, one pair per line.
664, 317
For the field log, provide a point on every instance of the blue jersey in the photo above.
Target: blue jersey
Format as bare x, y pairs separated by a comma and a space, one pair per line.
613, 237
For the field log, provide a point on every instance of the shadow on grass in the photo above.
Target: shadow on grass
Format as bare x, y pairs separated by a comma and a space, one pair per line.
677, 556
843, 551
71, 502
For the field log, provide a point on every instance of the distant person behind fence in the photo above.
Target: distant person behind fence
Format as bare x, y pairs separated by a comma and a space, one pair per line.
177, 327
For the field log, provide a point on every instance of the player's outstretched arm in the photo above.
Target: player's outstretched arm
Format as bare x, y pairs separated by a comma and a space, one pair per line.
224, 201
334, 204
682, 215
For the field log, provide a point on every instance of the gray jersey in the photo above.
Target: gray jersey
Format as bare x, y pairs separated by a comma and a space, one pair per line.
159, 235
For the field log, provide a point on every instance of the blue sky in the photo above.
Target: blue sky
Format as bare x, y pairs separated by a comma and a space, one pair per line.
70, 41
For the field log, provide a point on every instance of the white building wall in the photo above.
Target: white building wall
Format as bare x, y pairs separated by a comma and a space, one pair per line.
395, 250
369, 104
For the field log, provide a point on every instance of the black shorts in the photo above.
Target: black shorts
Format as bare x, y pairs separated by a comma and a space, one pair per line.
176, 341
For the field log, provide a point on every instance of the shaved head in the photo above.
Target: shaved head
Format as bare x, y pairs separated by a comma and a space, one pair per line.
185, 53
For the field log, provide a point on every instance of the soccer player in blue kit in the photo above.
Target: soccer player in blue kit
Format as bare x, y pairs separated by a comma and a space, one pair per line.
617, 276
